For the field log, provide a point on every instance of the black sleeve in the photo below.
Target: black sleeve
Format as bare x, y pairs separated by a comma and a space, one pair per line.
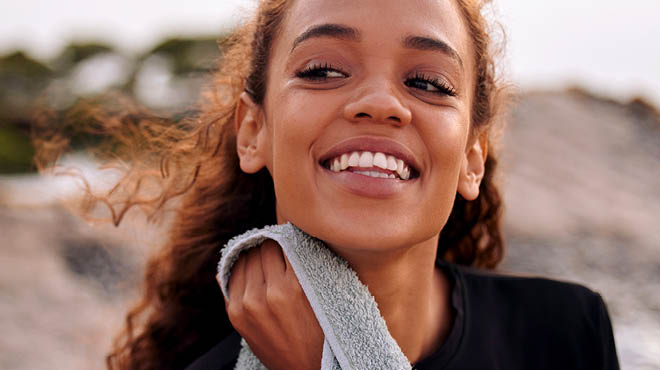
609, 358
221, 357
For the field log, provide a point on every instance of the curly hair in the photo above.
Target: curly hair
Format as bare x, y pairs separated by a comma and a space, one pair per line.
181, 313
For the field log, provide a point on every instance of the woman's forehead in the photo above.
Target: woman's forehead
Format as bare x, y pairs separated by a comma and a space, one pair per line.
380, 20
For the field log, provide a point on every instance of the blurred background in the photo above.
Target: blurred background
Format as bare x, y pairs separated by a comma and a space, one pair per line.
580, 168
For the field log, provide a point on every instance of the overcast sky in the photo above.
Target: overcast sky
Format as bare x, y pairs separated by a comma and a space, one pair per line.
610, 46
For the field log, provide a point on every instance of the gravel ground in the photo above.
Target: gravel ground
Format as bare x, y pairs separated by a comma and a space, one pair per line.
55, 314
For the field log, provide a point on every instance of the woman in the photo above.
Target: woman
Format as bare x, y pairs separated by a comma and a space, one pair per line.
366, 124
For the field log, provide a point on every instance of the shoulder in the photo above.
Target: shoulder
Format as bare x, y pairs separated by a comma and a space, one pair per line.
558, 321
542, 303
529, 292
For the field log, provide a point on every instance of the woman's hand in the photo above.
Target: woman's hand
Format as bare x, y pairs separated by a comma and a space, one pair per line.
268, 308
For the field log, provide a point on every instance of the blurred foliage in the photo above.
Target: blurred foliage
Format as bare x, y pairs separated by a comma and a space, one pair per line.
21, 79
188, 55
36, 94
76, 53
20, 63
15, 151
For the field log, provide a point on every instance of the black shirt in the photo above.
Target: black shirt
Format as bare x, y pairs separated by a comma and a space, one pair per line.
505, 323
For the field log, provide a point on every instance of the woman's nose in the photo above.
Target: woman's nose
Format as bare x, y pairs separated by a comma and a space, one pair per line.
378, 104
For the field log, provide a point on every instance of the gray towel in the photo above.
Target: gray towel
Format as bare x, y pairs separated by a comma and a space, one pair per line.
356, 336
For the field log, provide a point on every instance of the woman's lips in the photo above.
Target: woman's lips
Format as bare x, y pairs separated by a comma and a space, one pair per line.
370, 164
380, 153
363, 183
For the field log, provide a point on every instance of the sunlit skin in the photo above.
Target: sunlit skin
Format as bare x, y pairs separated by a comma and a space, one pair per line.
371, 75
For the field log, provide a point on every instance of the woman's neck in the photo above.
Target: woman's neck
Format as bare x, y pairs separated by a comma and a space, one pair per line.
412, 294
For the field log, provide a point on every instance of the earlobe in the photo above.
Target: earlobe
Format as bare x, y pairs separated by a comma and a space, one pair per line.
473, 168
250, 135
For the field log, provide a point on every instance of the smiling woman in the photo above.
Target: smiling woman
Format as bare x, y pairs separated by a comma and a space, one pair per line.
367, 124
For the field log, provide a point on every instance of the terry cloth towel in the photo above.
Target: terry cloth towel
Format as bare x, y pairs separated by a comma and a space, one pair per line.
356, 336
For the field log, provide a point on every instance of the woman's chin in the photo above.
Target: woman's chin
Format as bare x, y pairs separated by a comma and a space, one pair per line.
370, 240
368, 229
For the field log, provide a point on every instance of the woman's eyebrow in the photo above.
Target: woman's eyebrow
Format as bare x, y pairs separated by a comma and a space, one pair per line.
332, 30
432, 44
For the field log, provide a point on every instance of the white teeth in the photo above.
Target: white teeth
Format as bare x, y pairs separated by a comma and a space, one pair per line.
366, 160
380, 160
344, 161
375, 174
402, 169
371, 160
354, 159
399, 166
391, 163
336, 165
406, 173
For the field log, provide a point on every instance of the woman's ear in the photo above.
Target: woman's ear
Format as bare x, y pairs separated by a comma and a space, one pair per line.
251, 135
473, 167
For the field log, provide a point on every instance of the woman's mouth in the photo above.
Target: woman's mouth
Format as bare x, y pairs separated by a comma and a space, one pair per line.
372, 164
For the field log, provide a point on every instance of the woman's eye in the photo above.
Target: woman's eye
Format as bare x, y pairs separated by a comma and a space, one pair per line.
320, 73
430, 84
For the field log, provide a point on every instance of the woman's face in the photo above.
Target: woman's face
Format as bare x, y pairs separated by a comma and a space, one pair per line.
365, 122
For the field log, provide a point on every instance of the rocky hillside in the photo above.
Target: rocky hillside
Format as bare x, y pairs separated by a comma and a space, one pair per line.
581, 180
581, 177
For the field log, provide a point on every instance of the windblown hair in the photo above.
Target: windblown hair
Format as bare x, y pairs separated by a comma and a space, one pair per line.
181, 314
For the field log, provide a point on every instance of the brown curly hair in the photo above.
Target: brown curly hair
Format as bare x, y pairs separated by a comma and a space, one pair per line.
181, 314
